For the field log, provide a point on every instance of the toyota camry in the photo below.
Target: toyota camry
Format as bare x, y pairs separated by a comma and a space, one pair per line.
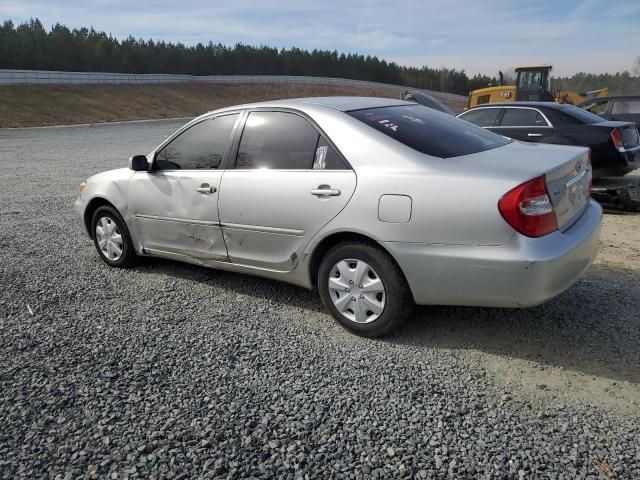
380, 204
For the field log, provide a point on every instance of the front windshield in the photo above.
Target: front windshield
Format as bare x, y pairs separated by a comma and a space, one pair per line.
530, 80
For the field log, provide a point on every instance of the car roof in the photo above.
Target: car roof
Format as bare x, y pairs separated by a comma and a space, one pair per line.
343, 104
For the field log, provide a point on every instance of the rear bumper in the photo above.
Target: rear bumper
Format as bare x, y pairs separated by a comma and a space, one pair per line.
524, 272
617, 163
631, 158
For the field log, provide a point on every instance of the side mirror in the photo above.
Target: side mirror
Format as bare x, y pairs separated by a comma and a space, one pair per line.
139, 163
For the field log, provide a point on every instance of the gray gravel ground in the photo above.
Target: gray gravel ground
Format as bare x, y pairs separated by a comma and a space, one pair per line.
176, 371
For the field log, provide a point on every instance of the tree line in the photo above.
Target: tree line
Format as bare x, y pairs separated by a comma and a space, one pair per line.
618, 83
30, 46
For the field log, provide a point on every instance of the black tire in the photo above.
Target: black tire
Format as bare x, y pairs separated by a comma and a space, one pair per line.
128, 257
398, 299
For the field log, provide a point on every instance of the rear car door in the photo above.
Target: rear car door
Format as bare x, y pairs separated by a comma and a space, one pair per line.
525, 124
288, 182
175, 204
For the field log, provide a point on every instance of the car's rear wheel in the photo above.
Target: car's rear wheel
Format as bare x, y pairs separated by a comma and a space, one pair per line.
111, 238
364, 289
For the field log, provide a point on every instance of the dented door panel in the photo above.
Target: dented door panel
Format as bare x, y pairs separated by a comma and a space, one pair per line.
177, 211
269, 216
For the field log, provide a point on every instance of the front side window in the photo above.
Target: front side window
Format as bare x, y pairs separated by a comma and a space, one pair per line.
483, 117
429, 131
284, 141
522, 117
201, 146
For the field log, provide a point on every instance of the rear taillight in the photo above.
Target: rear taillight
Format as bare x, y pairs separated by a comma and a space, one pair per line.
616, 137
528, 209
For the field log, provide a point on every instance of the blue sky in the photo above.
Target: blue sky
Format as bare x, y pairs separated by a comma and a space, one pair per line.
479, 36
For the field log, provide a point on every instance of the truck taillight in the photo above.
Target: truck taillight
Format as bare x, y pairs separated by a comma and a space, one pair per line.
616, 137
528, 209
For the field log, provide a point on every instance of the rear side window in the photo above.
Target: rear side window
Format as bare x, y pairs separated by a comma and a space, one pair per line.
518, 117
277, 140
483, 117
201, 146
429, 131
284, 141
522, 117
625, 106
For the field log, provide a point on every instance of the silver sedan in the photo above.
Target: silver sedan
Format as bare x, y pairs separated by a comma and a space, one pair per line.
377, 203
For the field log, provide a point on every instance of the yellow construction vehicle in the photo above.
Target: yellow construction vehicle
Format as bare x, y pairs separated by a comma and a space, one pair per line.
533, 84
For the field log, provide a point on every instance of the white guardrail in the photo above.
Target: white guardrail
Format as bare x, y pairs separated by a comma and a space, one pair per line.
45, 77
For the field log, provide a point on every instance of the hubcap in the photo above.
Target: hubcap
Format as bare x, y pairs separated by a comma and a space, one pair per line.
109, 238
356, 290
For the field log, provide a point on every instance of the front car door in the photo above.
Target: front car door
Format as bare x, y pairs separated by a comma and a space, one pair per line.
175, 204
525, 124
288, 182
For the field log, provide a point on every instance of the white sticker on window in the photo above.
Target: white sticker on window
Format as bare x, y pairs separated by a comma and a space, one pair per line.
320, 161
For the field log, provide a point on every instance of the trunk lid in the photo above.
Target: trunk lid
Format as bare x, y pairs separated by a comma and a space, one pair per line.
569, 188
567, 170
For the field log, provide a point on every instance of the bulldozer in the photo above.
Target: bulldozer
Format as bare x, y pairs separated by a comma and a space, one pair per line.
533, 84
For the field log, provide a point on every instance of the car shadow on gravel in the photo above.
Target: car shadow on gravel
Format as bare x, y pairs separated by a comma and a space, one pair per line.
593, 328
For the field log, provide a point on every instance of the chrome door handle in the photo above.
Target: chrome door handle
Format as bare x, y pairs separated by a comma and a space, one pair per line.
320, 192
204, 188
534, 135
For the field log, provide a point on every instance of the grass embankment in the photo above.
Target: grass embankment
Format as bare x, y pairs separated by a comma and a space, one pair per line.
38, 105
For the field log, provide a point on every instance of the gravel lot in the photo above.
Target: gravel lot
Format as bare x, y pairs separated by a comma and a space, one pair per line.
176, 371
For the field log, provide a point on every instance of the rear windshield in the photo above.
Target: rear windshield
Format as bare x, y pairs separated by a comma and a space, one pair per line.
428, 131
581, 115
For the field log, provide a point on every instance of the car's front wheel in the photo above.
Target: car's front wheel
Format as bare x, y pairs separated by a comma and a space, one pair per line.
111, 238
364, 289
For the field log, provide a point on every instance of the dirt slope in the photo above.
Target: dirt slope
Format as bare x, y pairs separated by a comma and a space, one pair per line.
38, 105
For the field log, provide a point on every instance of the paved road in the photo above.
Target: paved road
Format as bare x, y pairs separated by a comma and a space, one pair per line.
176, 371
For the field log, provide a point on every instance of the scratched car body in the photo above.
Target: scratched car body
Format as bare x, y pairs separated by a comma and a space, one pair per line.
378, 203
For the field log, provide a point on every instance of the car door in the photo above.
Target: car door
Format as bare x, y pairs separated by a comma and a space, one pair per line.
526, 124
175, 204
288, 182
